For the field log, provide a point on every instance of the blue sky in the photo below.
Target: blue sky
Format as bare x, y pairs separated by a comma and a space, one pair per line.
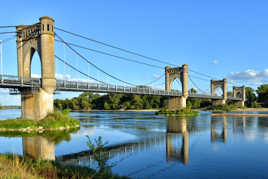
220, 38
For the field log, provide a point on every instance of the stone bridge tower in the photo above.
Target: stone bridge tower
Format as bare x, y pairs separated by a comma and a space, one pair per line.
240, 92
39, 38
219, 84
171, 74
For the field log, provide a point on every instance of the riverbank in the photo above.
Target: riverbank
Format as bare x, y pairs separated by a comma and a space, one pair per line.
56, 121
119, 110
186, 112
14, 166
251, 110
239, 114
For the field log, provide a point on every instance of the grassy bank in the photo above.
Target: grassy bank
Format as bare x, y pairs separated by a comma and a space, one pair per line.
13, 166
181, 112
54, 121
222, 108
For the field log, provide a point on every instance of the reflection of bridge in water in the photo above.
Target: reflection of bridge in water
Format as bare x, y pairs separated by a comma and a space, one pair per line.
222, 136
38, 148
175, 140
176, 128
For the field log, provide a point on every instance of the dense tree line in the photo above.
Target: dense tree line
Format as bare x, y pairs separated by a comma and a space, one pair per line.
87, 101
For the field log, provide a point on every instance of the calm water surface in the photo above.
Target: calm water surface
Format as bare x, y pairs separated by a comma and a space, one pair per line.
148, 146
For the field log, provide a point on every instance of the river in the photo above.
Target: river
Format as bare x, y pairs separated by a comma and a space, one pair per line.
144, 145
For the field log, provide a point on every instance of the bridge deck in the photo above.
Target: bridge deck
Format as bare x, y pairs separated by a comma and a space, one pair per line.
65, 85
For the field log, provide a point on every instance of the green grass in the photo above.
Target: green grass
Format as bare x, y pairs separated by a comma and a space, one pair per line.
222, 108
181, 112
14, 166
53, 121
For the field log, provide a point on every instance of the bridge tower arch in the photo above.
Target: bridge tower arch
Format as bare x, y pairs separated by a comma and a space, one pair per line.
219, 84
240, 92
39, 37
170, 75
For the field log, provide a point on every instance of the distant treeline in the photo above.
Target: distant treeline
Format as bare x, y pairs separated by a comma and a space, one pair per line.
87, 101
9, 107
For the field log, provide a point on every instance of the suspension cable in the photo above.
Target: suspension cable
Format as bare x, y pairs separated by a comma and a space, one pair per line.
71, 66
202, 74
196, 85
7, 32
197, 77
155, 80
115, 47
112, 55
95, 66
8, 39
7, 26
127, 51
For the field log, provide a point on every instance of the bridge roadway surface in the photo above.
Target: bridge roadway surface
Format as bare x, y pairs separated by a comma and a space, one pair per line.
12, 82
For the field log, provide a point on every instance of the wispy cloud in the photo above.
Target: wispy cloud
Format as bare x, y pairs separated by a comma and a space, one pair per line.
250, 75
215, 62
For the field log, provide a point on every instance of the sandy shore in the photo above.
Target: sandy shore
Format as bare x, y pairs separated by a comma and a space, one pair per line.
130, 110
252, 110
239, 115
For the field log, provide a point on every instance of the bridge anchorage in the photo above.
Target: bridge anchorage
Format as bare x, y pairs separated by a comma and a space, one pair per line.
37, 93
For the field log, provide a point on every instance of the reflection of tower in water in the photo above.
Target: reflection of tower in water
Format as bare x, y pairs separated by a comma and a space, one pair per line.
175, 127
222, 136
38, 148
239, 125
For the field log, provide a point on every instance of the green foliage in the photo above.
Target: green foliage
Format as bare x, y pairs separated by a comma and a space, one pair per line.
182, 112
54, 120
251, 99
1, 106
262, 92
14, 166
97, 147
222, 108
87, 101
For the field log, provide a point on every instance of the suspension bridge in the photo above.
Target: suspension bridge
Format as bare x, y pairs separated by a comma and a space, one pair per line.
37, 93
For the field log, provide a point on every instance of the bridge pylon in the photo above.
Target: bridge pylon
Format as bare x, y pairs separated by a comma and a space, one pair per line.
39, 37
171, 74
240, 92
214, 84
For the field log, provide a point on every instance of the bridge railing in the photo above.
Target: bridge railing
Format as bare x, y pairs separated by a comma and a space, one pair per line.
97, 87
12, 80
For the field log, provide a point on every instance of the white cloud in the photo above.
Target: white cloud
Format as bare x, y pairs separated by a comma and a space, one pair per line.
250, 76
215, 62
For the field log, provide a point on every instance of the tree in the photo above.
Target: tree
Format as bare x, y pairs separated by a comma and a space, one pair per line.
250, 97
136, 102
262, 92
193, 102
114, 100
106, 106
